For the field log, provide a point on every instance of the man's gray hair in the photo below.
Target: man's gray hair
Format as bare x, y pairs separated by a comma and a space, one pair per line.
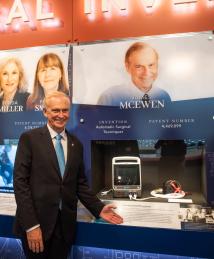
56, 94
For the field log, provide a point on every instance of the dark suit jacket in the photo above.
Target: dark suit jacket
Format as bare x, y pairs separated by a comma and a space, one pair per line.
38, 185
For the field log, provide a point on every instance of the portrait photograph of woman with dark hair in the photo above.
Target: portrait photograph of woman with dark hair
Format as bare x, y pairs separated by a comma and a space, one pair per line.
49, 77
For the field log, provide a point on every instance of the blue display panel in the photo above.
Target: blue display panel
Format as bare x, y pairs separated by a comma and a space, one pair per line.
100, 253
12, 249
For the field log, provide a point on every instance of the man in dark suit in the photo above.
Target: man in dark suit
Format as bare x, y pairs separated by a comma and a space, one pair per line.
47, 197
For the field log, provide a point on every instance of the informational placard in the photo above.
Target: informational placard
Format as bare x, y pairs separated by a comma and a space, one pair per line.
149, 214
8, 204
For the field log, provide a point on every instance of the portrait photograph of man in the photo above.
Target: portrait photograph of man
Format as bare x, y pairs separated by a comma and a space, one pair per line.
166, 69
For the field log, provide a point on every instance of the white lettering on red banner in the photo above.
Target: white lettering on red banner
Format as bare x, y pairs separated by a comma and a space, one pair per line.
20, 13
122, 5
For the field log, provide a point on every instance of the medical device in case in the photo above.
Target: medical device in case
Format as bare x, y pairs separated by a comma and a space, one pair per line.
126, 176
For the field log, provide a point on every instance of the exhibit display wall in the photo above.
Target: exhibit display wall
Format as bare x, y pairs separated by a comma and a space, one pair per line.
150, 153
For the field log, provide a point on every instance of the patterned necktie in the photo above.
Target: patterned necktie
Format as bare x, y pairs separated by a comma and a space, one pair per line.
60, 154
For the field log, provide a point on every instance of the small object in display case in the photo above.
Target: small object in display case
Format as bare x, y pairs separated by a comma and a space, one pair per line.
126, 176
171, 190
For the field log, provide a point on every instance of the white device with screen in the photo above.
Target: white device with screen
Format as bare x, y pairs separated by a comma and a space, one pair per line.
126, 176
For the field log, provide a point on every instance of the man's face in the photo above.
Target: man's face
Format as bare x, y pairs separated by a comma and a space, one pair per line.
142, 65
57, 113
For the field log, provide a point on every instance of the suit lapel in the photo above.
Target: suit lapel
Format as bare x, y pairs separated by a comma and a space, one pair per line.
48, 144
70, 154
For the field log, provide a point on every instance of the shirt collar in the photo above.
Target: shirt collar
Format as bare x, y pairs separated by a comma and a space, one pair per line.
135, 89
53, 133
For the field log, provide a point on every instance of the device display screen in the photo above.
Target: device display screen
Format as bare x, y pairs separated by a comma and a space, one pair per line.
126, 175
7, 157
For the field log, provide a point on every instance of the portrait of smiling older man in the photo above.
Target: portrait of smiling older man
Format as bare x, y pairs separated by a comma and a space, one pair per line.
141, 63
